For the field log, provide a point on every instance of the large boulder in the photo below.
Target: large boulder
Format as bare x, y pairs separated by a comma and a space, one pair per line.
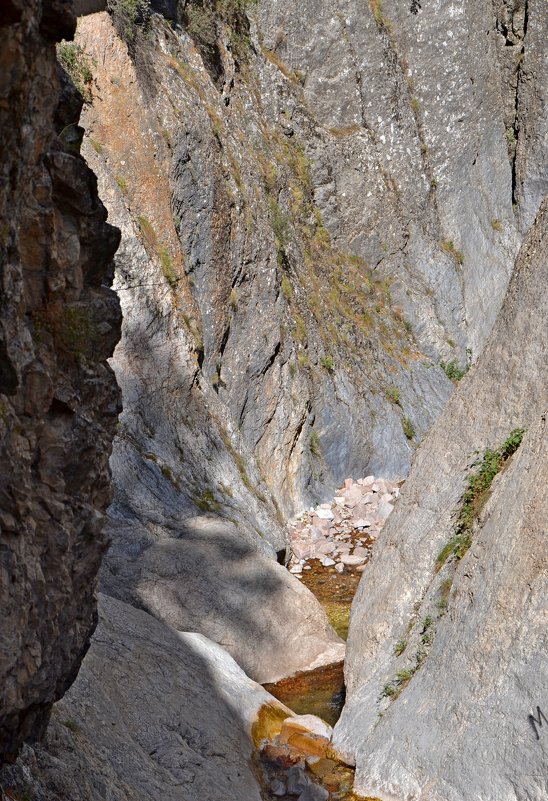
206, 578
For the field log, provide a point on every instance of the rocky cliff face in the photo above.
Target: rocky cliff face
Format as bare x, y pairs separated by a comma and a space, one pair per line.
58, 397
316, 208
442, 688
319, 203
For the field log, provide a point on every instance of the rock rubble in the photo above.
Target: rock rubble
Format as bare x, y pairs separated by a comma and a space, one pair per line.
341, 534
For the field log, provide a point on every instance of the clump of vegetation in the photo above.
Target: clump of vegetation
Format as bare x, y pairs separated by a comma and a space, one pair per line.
287, 289
206, 502
449, 247
496, 225
476, 494
233, 298
76, 330
78, 65
122, 184
327, 362
453, 371
168, 269
97, 146
150, 240
130, 17
445, 589
314, 444
408, 428
393, 394
400, 647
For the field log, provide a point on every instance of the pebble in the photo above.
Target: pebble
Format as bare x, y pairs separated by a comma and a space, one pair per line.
277, 788
314, 793
297, 780
351, 559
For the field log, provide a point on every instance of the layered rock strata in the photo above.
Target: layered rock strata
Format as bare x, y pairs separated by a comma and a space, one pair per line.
58, 397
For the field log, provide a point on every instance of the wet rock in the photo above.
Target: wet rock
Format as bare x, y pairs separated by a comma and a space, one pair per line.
277, 787
314, 792
297, 780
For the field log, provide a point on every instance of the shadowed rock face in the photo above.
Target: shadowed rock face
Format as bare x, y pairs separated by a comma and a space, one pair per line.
461, 729
58, 397
187, 738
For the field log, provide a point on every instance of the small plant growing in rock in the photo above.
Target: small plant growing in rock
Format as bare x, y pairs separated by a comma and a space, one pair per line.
449, 247
327, 362
233, 298
287, 289
453, 371
122, 184
476, 494
78, 65
168, 269
314, 444
408, 428
400, 647
393, 394
496, 225
130, 17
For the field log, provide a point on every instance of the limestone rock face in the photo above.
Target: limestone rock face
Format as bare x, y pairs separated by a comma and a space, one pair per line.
205, 577
463, 641
153, 714
59, 401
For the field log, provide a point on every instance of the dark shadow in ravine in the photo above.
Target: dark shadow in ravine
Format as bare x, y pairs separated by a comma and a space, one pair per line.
153, 714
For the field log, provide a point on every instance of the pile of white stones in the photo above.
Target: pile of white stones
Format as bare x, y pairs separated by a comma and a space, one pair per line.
340, 534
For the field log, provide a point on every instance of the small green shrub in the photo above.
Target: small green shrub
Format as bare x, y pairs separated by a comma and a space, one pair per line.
78, 65
314, 444
287, 289
453, 371
449, 247
205, 501
130, 17
97, 146
393, 394
476, 494
400, 647
327, 362
408, 428
122, 184
168, 268
445, 589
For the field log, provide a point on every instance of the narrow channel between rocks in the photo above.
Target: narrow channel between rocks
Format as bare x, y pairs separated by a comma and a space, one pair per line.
330, 547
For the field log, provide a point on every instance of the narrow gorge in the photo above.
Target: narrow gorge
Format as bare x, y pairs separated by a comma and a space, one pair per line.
273, 333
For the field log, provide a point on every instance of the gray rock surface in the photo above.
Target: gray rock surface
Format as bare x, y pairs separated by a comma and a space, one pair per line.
460, 728
59, 401
154, 713
207, 578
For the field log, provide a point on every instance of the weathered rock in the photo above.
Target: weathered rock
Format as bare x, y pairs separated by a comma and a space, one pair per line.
314, 792
461, 728
154, 713
297, 780
59, 323
204, 577
352, 559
